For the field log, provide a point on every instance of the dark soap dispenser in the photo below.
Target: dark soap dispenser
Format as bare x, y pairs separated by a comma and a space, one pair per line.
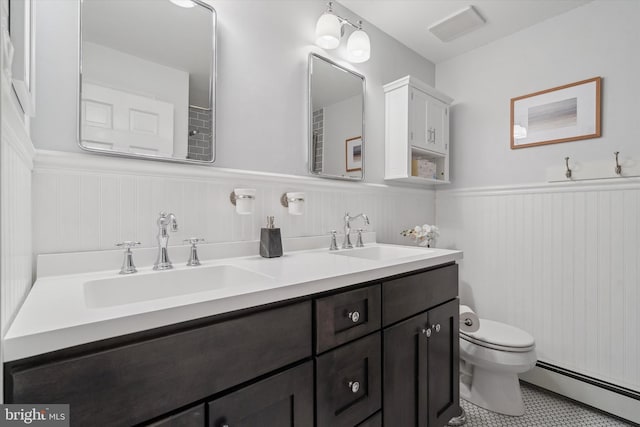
270, 240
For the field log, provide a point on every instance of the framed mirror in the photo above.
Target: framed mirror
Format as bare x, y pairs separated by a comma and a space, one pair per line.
147, 79
336, 120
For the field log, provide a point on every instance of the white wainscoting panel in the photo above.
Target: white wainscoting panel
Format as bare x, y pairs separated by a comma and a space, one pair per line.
88, 202
561, 261
16, 157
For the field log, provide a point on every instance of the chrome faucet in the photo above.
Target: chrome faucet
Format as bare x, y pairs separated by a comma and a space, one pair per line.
164, 221
347, 228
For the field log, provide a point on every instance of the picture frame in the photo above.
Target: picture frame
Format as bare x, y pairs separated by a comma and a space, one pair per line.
353, 148
561, 114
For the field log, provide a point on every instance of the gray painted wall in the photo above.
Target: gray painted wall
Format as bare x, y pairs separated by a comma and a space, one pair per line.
261, 98
600, 38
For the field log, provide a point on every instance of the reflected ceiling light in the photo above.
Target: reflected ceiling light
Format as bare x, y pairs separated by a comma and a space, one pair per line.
329, 30
183, 3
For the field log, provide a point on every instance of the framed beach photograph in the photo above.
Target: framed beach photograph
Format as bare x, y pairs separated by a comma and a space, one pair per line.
560, 114
354, 154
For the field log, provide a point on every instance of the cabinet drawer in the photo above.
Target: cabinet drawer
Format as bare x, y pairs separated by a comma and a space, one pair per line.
413, 294
130, 384
346, 316
192, 417
348, 383
285, 399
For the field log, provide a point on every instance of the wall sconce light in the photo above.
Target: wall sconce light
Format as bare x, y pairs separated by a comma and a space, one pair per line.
243, 199
329, 30
294, 202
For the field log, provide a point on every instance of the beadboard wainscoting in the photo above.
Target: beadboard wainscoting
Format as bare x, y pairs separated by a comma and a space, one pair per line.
561, 261
16, 154
16, 163
87, 202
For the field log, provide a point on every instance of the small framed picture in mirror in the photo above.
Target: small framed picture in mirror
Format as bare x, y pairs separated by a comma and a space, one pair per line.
354, 154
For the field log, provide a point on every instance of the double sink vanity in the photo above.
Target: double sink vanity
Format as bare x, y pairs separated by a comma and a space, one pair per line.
363, 336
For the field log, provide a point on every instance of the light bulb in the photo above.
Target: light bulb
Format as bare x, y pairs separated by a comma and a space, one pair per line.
328, 31
359, 47
183, 3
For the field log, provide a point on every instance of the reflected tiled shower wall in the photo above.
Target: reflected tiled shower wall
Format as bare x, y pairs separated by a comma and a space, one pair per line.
318, 139
200, 131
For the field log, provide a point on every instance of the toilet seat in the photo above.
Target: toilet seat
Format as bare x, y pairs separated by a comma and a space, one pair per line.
498, 336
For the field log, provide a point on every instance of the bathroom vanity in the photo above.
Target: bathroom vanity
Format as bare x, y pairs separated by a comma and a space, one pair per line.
378, 345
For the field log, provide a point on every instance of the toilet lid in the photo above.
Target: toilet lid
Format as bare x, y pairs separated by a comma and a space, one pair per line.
500, 336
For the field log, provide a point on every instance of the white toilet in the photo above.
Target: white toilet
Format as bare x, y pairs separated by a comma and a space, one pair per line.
490, 360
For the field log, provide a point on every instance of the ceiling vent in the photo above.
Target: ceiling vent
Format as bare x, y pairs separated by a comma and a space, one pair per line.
458, 24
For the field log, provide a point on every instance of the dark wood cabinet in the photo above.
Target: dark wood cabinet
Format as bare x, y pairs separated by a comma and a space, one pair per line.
286, 399
405, 296
322, 360
130, 384
346, 316
349, 387
373, 421
192, 417
420, 364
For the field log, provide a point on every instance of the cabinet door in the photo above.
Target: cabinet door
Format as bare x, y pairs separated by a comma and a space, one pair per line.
418, 115
421, 365
443, 364
429, 127
437, 126
286, 399
405, 374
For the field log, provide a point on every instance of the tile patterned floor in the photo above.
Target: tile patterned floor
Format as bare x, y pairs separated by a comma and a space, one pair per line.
542, 410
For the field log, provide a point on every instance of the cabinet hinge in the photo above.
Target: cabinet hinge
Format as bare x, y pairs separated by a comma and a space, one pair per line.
410, 135
412, 96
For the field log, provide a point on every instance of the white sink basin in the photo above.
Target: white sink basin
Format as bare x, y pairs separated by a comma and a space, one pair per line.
165, 284
383, 253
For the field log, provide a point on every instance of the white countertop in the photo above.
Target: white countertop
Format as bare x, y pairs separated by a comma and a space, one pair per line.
55, 314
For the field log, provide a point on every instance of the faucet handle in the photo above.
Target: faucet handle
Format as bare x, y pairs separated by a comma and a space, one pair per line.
193, 256
193, 240
128, 244
334, 243
359, 243
127, 264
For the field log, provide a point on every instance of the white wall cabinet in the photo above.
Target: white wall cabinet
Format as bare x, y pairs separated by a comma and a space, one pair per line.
416, 128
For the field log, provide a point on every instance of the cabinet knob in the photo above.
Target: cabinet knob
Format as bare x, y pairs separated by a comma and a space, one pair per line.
354, 386
427, 332
354, 316
437, 328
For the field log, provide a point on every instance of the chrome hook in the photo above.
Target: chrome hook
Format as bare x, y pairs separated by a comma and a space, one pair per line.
618, 166
568, 172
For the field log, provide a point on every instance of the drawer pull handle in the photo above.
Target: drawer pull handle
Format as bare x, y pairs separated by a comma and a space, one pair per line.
437, 327
354, 386
427, 332
354, 316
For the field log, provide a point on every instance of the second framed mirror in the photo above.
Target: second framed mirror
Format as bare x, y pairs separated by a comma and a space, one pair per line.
336, 120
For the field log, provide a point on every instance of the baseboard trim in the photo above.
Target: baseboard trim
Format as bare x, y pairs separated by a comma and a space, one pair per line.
591, 380
617, 401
